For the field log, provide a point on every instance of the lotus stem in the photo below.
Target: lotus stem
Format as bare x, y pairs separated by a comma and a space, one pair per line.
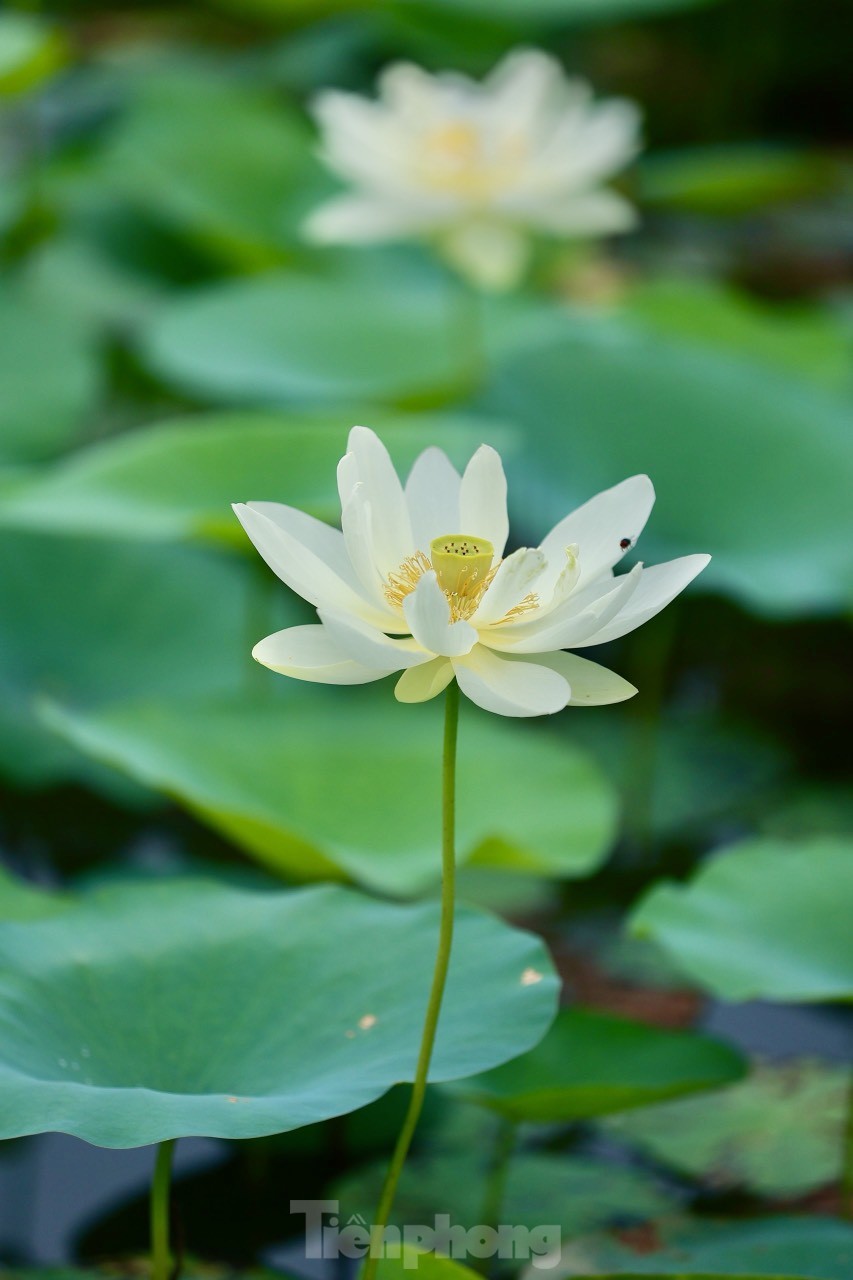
847, 1159
493, 1200
161, 1257
439, 979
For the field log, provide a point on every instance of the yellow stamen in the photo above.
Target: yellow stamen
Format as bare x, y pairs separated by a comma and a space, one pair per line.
530, 601
459, 158
403, 582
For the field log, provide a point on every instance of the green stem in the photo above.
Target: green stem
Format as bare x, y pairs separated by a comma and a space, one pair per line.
847, 1164
469, 324
653, 652
493, 1200
161, 1258
439, 978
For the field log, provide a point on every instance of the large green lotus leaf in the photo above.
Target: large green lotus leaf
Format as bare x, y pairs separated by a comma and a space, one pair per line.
178, 480
748, 464
779, 1133
231, 187
90, 621
777, 1248
170, 1009
807, 340
287, 339
351, 780
591, 1064
50, 375
31, 51
764, 919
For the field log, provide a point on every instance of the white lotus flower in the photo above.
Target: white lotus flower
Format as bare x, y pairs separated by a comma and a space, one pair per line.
476, 167
417, 583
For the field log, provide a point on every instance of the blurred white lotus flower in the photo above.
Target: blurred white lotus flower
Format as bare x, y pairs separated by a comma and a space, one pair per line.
476, 166
417, 583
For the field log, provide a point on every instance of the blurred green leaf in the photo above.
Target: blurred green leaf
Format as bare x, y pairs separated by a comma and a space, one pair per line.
811, 809
734, 179
168, 1009
684, 771
592, 1064
88, 621
749, 465
761, 920
115, 1270
779, 1133
20, 900
76, 278
178, 479
581, 11
50, 376
289, 783
299, 339
31, 51
806, 340
226, 163
574, 1193
429, 1266
796, 1248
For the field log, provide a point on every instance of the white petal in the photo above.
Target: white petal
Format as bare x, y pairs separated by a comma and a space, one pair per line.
590, 213
419, 684
361, 141
369, 464
323, 539
564, 628
369, 647
510, 688
482, 500
490, 253
432, 492
587, 146
592, 685
310, 653
529, 88
555, 592
516, 578
408, 90
428, 614
601, 525
658, 585
365, 219
308, 556
357, 524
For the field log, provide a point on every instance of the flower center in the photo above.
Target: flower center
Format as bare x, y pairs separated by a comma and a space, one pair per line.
458, 158
463, 567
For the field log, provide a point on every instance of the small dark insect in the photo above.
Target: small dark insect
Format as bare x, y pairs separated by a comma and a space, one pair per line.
625, 544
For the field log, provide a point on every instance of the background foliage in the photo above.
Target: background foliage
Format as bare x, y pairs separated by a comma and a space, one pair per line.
168, 344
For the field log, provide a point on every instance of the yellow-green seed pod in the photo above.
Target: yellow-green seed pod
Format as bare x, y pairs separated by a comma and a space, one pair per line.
461, 562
